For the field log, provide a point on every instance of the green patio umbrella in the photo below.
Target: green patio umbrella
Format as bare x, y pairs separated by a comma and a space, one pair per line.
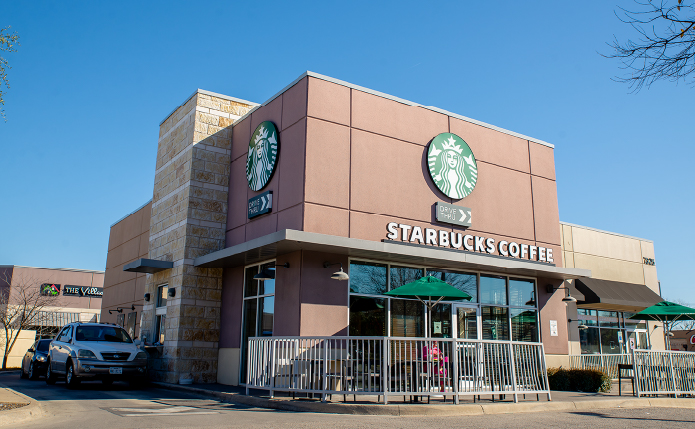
430, 291
666, 312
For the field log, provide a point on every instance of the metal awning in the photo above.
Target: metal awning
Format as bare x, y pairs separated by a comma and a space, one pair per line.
616, 296
574, 291
289, 240
149, 266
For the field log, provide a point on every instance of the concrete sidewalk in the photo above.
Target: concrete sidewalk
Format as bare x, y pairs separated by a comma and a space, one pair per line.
368, 405
16, 407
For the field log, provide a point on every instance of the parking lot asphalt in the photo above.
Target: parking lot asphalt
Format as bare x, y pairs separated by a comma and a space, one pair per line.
95, 405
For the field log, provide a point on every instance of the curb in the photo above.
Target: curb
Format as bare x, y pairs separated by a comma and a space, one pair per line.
430, 410
21, 414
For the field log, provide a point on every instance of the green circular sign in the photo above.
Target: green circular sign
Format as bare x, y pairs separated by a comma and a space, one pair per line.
262, 156
452, 165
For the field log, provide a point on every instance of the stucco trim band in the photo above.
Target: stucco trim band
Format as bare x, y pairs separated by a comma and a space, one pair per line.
289, 240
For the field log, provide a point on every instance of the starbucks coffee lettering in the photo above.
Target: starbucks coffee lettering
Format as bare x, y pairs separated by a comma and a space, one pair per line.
467, 242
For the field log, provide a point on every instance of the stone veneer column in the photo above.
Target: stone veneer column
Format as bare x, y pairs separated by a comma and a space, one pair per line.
189, 215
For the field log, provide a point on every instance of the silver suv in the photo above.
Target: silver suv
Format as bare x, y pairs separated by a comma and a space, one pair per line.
95, 351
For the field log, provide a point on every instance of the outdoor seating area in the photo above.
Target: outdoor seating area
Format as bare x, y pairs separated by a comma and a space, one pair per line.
651, 372
388, 366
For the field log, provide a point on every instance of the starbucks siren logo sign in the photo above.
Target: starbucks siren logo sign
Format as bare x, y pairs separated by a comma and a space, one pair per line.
262, 156
452, 165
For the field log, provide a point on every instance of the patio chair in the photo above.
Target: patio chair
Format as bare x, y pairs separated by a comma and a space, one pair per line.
625, 367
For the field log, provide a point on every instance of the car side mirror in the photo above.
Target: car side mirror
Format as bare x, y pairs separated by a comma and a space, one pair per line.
137, 343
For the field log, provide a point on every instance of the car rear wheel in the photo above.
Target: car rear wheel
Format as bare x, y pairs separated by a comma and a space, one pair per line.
33, 374
21, 372
50, 375
71, 379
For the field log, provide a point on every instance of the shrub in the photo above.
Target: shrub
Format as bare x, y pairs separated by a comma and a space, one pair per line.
579, 380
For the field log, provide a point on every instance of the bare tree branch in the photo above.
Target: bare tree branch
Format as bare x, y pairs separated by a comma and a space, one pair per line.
664, 47
7, 44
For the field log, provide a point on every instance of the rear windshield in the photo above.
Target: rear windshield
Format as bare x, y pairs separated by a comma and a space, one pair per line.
111, 334
43, 345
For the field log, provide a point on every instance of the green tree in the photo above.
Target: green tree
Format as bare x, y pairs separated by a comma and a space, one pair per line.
664, 46
7, 43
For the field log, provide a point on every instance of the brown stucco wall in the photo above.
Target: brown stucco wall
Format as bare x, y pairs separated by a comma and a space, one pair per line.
350, 162
128, 240
288, 113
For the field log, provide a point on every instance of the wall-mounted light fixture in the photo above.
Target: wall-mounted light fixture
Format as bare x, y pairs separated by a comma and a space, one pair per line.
581, 324
147, 297
268, 274
338, 275
569, 298
118, 310
171, 292
131, 308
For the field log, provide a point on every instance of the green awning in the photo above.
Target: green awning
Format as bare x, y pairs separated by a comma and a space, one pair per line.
665, 312
430, 288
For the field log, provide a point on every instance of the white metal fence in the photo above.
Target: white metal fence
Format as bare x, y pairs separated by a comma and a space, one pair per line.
607, 363
389, 366
664, 372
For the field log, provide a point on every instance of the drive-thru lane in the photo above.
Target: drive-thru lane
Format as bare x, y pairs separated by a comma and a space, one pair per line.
94, 405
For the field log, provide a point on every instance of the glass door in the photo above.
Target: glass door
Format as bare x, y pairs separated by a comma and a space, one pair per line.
467, 326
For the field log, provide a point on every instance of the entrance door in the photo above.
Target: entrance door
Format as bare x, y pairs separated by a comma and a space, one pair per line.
467, 323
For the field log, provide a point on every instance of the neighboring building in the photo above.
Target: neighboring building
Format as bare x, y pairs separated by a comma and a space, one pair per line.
78, 298
608, 299
326, 172
123, 291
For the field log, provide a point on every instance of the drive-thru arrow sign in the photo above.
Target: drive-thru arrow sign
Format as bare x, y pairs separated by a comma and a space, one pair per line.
455, 215
260, 204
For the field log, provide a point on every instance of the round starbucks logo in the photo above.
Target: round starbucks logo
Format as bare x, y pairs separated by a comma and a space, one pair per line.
452, 165
262, 156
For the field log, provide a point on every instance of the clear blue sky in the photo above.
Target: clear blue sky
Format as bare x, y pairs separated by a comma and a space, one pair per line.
92, 81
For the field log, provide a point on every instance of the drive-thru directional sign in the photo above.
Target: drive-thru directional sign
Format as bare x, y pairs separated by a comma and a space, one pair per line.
261, 204
455, 215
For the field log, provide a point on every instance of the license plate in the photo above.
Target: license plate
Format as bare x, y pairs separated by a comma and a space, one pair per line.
115, 370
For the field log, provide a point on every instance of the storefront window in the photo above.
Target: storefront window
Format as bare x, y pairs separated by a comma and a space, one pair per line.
259, 307
407, 318
524, 325
493, 290
587, 317
495, 323
522, 293
509, 311
367, 278
265, 316
367, 316
610, 341
607, 332
608, 319
464, 282
589, 340
400, 276
440, 323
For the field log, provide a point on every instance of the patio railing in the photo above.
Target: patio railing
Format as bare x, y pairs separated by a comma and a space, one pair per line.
664, 372
390, 366
607, 363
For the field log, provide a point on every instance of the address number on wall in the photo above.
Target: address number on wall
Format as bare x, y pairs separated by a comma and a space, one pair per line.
648, 261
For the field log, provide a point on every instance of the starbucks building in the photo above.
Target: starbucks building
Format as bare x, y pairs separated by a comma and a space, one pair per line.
294, 217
